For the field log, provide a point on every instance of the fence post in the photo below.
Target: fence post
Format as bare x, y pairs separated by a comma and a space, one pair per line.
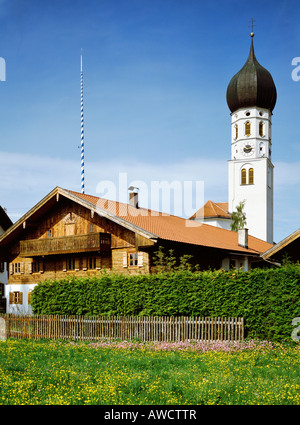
3, 333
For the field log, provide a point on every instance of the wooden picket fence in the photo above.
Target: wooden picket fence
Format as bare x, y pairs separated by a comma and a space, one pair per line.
144, 328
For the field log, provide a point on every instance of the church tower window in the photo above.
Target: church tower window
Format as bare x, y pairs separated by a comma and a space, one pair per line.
247, 128
261, 129
236, 131
244, 176
251, 175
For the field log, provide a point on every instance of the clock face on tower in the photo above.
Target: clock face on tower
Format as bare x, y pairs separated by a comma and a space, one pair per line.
248, 149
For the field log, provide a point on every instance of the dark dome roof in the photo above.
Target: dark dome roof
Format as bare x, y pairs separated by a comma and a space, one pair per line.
253, 85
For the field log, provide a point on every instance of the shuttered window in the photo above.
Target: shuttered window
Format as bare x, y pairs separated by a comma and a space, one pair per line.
16, 297
71, 264
17, 268
133, 259
140, 259
125, 259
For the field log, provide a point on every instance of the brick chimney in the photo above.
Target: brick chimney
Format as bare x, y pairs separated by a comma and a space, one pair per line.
133, 197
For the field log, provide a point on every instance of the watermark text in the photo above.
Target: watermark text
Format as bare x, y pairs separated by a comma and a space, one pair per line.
179, 198
296, 71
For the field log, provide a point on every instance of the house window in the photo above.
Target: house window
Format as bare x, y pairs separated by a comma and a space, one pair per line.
92, 264
251, 176
50, 233
29, 297
16, 297
71, 264
247, 128
133, 259
92, 228
17, 268
1, 266
244, 176
35, 267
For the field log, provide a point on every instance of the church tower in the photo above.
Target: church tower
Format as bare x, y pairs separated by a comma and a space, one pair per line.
251, 97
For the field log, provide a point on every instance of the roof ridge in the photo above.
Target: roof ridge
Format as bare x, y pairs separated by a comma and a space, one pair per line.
219, 205
213, 206
125, 204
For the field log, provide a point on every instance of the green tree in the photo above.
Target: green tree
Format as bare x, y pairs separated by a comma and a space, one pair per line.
238, 217
168, 262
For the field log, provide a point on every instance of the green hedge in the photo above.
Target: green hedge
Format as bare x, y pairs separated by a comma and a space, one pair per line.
268, 299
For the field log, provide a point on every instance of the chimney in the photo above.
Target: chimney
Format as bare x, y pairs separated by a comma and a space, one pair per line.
133, 197
243, 238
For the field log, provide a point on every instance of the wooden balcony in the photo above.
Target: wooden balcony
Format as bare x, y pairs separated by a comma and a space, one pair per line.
92, 242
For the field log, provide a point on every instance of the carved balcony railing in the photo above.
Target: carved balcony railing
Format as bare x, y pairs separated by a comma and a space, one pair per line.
92, 242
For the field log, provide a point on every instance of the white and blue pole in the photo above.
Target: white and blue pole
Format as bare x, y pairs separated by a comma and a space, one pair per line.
82, 127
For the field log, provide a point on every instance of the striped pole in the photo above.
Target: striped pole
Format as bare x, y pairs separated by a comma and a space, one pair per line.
82, 129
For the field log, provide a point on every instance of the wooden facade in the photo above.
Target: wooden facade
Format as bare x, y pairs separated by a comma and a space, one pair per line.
69, 240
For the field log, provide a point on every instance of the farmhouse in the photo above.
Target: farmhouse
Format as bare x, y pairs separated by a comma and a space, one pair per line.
73, 234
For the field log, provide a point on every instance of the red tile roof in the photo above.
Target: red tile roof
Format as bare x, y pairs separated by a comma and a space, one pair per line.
172, 228
212, 210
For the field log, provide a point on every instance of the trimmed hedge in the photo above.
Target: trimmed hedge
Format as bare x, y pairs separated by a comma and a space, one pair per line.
268, 299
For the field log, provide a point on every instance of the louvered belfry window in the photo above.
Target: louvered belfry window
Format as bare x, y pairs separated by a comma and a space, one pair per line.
247, 128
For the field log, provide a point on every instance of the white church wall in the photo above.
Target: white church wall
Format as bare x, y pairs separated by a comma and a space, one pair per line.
258, 196
252, 150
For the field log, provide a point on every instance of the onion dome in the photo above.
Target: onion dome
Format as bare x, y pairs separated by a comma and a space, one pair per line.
253, 85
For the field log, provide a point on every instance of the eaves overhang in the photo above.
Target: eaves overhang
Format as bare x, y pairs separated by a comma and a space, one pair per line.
52, 197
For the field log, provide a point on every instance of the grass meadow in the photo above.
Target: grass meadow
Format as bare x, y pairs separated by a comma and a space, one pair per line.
68, 373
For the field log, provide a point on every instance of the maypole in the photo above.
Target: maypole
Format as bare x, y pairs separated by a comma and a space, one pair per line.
82, 129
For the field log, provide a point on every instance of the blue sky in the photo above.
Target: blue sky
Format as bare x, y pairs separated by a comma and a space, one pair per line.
155, 79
